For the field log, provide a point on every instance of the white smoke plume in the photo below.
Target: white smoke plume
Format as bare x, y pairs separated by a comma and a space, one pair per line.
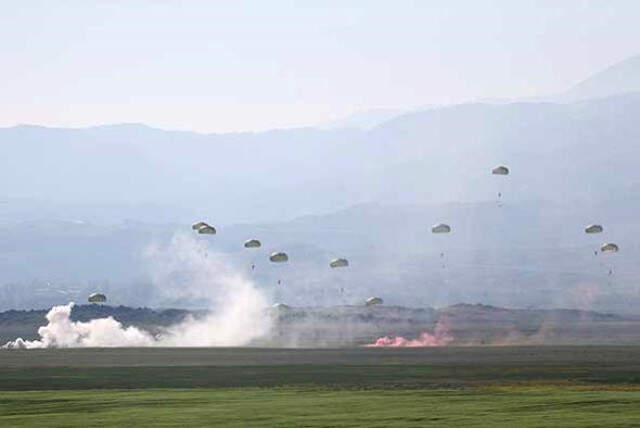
61, 332
184, 269
187, 269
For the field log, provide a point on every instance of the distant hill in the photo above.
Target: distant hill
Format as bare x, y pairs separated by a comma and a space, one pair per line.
364, 120
620, 78
25, 324
533, 254
434, 156
353, 325
81, 206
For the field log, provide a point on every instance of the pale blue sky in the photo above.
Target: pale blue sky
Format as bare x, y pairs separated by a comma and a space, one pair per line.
225, 66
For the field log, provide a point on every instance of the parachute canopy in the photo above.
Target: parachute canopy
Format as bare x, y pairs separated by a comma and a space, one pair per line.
281, 307
593, 228
97, 298
279, 257
440, 228
207, 230
500, 170
609, 247
252, 243
198, 225
371, 301
338, 263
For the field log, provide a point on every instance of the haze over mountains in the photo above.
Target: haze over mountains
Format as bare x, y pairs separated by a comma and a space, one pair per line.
83, 204
359, 325
618, 79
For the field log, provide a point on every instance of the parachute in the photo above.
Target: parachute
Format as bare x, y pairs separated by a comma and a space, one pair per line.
97, 298
281, 307
500, 170
279, 257
207, 230
252, 243
593, 228
372, 301
204, 228
198, 225
338, 263
440, 228
609, 247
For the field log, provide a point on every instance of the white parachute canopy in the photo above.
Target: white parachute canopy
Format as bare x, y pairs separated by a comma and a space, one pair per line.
371, 301
440, 228
207, 230
500, 170
279, 257
198, 225
339, 263
252, 243
593, 228
97, 298
609, 247
281, 307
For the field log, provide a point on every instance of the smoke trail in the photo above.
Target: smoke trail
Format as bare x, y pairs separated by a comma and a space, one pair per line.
440, 337
184, 269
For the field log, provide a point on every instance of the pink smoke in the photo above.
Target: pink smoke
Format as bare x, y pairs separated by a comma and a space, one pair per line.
440, 337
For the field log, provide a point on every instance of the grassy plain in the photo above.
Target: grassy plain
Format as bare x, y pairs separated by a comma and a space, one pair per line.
483, 386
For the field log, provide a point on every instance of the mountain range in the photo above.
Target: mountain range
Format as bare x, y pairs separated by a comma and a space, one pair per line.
81, 205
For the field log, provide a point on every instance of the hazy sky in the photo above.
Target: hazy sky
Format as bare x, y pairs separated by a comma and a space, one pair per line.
233, 65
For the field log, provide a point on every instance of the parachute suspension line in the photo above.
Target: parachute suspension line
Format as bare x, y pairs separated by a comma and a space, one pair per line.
441, 228
252, 244
279, 257
336, 278
500, 170
609, 248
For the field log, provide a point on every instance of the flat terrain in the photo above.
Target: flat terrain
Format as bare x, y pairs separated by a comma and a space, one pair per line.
454, 386
355, 367
508, 407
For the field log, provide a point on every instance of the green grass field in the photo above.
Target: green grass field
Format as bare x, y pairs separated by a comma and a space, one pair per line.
512, 406
525, 386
